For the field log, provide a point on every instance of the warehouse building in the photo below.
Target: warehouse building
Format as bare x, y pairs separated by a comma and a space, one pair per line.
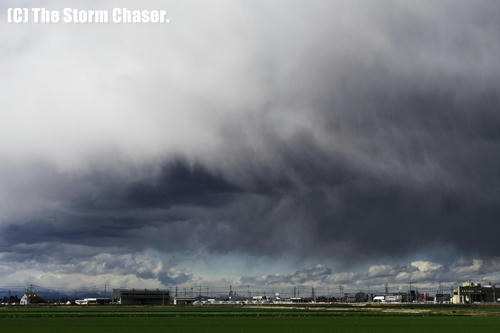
141, 296
470, 292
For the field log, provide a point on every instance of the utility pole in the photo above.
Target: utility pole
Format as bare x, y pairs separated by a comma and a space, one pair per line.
409, 294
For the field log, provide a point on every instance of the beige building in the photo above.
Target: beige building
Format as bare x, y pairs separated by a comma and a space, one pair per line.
471, 292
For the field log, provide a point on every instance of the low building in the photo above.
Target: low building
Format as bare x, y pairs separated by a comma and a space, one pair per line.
393, 298
141, 296
471, 292
93, 301
184, 300
442, 298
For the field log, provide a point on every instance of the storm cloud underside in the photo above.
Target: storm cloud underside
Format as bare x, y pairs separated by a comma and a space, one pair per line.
327, 131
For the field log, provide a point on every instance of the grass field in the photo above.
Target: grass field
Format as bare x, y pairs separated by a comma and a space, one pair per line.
249, 319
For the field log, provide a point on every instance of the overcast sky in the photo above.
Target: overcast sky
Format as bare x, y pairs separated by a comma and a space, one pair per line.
270, 143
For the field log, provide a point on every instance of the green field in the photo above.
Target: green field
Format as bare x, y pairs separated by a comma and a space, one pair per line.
249, 319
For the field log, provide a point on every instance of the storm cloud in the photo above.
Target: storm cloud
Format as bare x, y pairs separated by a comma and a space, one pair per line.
333, 131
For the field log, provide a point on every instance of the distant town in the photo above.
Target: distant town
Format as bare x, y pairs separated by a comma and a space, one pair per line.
467, 293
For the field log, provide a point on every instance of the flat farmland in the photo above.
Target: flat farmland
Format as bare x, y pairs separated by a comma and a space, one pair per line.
250, 319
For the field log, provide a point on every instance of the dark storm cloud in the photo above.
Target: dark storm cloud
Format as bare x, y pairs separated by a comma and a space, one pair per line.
176, 183
113, 210
378, 140
318, 205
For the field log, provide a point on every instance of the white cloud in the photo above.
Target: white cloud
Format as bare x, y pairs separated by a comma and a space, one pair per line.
474, 267
426, 266
403, 276
341, 277
380, 270
78, 281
